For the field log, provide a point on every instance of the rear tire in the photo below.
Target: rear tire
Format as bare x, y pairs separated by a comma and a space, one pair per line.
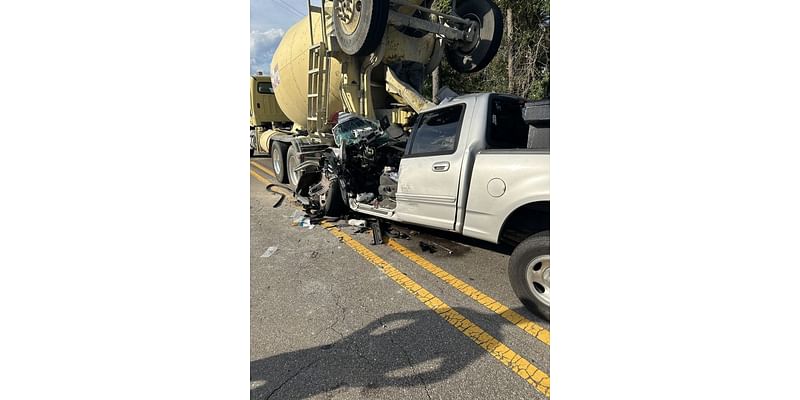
360, 24
529, 273
473, 58
278, 153
292, 161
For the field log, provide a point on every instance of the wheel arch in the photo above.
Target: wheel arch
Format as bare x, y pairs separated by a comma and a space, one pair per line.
526, 220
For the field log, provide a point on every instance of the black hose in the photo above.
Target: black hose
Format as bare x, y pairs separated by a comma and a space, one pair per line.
283, 196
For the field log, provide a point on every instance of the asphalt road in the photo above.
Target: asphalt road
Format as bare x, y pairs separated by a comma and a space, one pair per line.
333, 316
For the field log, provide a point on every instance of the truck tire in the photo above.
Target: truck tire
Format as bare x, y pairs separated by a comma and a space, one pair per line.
466, 57
252, 142
292, 161
334, 206
360, 24
278, 153
529, 273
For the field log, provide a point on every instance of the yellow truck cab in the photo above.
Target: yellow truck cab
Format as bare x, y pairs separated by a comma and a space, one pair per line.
264, 111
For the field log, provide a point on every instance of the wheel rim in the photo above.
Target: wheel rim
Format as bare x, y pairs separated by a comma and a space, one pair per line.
349, 12
276, 160
291, 164
475, 28
537, 276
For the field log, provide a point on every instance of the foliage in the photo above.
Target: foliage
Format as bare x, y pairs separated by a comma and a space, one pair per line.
530, 55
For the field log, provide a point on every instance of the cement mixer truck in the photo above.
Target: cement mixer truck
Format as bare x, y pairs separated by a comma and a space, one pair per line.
368, 57
365, 140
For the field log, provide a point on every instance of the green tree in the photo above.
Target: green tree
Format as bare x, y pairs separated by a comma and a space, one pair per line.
529, 51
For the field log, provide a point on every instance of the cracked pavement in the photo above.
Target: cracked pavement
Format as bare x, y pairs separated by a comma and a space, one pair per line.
327, 324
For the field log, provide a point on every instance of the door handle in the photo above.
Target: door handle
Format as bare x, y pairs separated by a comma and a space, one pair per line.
441, 166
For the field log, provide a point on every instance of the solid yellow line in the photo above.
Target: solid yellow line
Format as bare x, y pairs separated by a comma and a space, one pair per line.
522, 367
263, 168
267, 181
523, 323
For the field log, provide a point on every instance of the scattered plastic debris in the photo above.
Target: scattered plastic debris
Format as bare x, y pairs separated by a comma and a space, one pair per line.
357, 222
270, 251
297, 216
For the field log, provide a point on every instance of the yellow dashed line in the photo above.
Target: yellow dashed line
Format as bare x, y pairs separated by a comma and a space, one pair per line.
522, 367
523, 323
263, 168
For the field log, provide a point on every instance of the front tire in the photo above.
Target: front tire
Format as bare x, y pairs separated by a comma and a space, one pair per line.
333, 205
529, 273
278, 153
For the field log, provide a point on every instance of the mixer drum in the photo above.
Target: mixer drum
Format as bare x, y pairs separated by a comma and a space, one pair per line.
289, 72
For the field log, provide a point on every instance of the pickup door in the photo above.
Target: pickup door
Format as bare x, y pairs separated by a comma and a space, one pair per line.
430, 170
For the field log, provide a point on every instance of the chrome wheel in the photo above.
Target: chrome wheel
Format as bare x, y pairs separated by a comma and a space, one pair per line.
349, 12
292, 161
538, 278
277, 161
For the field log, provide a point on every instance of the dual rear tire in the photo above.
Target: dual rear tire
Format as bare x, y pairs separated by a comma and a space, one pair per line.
278, 153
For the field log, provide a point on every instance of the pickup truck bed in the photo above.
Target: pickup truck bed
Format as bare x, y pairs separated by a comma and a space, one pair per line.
502, 181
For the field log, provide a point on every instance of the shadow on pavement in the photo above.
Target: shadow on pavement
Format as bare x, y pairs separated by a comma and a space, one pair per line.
398, 350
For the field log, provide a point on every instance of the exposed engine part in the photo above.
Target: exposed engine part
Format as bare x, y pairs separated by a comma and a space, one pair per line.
365, 197
364, 166
387, 187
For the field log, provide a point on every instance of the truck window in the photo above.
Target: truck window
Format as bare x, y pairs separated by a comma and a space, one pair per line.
507, 128
436, 132
265, 88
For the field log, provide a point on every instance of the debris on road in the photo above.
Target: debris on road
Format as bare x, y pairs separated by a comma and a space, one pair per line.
377, 232
282, 196
425, 246
445, 248
299, 218
397, 234
270, 251
357, 222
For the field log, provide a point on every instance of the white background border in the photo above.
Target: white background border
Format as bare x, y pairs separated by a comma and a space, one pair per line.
125, 199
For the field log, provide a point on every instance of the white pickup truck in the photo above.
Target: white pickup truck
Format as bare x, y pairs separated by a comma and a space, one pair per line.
477, 164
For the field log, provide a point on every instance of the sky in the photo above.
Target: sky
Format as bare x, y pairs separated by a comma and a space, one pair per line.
269, 21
